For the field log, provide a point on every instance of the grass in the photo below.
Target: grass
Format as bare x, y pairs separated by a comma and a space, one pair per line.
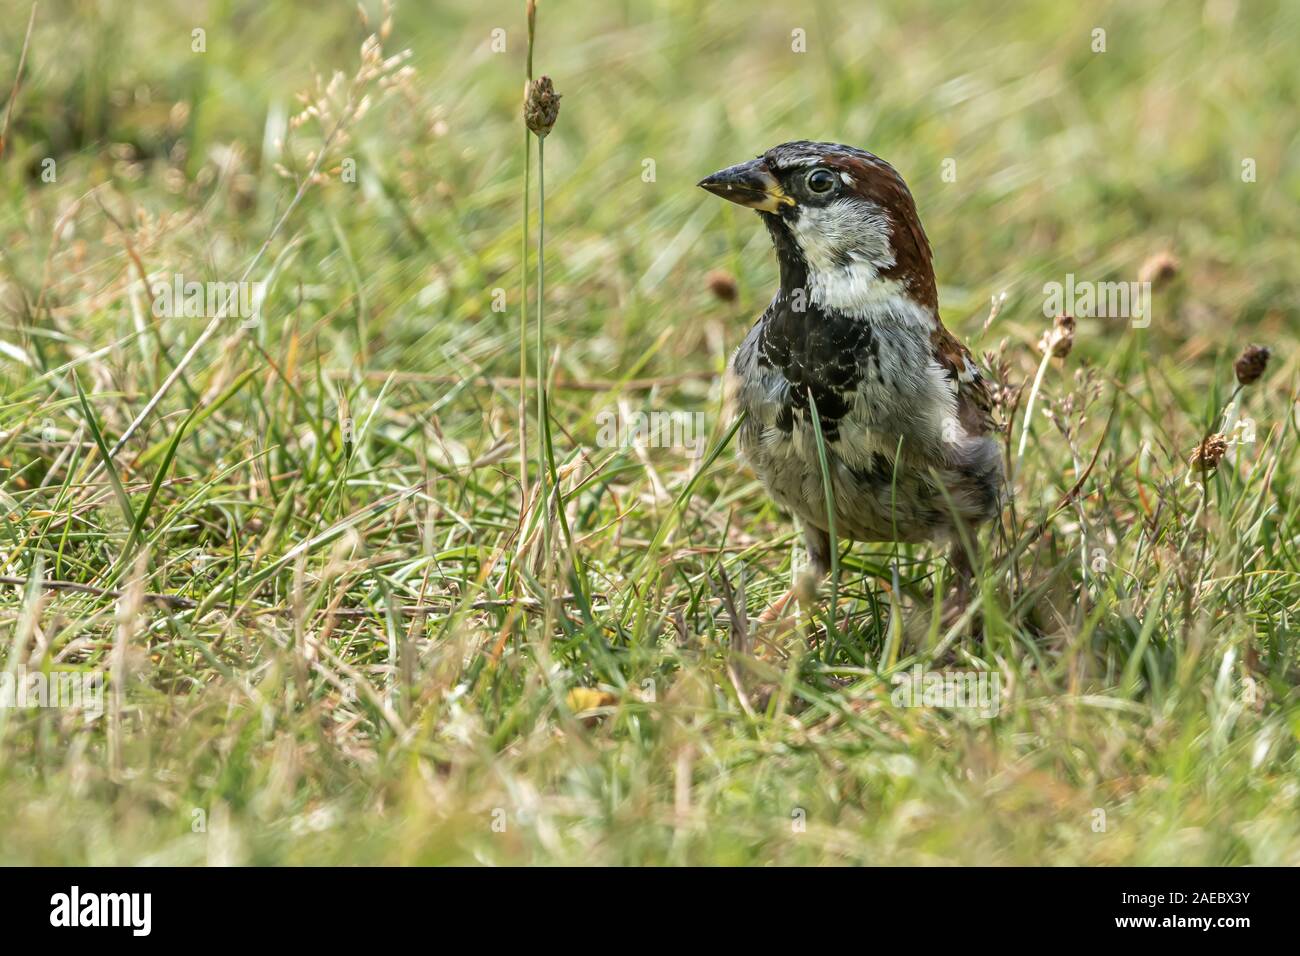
358, 661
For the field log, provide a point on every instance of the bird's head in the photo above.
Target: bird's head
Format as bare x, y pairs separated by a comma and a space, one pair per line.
843, 223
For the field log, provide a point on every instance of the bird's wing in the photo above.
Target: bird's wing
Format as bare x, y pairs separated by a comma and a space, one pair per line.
974, 397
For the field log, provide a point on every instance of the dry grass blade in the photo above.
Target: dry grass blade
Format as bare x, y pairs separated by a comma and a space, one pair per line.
18, 79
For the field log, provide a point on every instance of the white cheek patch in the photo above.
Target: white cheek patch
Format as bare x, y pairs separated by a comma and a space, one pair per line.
846, 246
843, 232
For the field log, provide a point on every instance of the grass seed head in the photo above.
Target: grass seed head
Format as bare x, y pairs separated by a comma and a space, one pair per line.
1210, 452
1059, 339
722, 284
541, 106
1251, 363
1159, 269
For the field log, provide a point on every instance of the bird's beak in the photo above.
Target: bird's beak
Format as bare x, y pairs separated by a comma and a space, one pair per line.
749, 184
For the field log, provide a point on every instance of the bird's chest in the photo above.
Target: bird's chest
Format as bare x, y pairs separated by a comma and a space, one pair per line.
878, 407
868, 383
819, 365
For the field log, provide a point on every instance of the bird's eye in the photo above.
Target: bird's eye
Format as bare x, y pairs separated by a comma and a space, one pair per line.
821, 180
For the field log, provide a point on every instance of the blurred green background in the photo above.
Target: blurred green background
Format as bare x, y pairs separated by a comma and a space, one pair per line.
1066, 160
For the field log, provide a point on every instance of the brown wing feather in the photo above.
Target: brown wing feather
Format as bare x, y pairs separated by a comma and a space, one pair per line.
974, 398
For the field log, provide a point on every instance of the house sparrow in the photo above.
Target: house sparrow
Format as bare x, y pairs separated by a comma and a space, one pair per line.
854, 330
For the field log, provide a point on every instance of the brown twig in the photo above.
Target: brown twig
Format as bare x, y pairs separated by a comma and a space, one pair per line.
512, 382
183, 603
169, 600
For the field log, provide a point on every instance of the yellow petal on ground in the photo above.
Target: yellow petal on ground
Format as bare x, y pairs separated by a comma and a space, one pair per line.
588, 698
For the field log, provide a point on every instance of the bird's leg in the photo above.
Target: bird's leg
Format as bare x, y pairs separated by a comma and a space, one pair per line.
819, 553
805, 589
776, 610
955, 605
962, 571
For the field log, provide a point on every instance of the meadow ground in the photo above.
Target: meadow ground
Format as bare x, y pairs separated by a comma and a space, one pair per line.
359, 660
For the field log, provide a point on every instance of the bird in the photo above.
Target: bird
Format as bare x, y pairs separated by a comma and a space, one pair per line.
852, 342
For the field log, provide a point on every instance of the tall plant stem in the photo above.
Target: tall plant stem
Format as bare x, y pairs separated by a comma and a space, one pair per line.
543, 423
548, 479
1029, 407
523, 326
